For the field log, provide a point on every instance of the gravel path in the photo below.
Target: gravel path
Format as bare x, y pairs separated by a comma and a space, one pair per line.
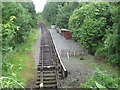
77, 69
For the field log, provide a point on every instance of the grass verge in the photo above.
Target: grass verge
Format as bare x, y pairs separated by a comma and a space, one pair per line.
100, 81
105, 67
18, 65
105, 76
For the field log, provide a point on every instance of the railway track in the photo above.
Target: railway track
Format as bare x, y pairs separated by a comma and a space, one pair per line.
50, 67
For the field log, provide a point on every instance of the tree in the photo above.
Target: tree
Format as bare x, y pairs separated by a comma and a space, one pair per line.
64, 13
50, 11
25, 18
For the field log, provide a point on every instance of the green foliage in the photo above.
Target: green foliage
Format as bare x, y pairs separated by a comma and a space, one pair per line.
7, 82
59, 12
91, 33
18, 21
111, 46
100, 80
95, 25
25, 18
89, 20
14, 63
64, 13
40, 17
8, 34
50, 11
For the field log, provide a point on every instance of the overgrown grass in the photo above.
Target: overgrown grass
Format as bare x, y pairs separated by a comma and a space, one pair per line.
16, 61
101, 80
105, 76
105, 67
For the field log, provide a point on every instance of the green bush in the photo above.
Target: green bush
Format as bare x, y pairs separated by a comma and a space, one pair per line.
25, 18
90, 24
14, 63
95, 26
18, 21
100, 80
8, 34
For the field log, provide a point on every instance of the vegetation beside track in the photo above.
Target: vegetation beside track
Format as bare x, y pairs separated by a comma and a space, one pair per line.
18, 37
18, 64
95, 26
101, 80
104, 76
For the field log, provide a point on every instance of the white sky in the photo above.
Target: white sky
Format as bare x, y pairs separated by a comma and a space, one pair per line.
39, 5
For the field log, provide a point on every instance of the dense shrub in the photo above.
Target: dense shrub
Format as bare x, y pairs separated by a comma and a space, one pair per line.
18, 21
25, 18
8, 34
95, 26
90, 24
